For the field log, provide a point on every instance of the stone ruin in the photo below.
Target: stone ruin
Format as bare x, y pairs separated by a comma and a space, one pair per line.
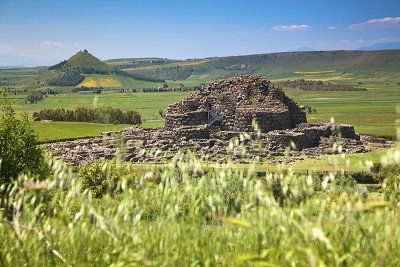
233, 104
207, 121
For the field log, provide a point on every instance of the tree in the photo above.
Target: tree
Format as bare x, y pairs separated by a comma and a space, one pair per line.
19, 150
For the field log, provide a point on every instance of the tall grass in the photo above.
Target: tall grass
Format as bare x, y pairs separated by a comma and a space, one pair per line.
186, 214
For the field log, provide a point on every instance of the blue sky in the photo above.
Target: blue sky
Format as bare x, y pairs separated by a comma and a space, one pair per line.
49, 31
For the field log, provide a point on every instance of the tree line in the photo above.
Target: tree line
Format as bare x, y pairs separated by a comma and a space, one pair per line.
306, 85
95, 115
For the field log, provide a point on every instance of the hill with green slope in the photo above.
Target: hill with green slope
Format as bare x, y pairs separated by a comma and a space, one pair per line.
84, 63
379, 66
68, 72
331, 65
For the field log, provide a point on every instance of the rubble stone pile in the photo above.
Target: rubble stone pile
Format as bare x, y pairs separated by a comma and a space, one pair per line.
208, 121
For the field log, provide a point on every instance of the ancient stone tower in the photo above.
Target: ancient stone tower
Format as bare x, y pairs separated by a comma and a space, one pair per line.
232, 105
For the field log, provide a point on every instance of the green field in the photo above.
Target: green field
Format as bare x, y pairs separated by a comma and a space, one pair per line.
147, 104
372, 112
51, 131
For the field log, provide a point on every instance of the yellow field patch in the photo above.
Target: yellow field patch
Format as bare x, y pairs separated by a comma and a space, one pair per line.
97, 80
314, 72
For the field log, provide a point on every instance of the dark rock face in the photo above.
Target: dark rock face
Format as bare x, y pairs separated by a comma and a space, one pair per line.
207, 122
234, 103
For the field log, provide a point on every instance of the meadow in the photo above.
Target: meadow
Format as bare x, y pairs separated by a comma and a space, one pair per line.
372, 111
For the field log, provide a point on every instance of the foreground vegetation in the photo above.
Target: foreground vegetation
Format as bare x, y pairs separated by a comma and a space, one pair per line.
188, 212
183, 214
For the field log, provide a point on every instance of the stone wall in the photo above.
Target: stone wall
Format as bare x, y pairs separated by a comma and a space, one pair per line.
192, 118
266, 119
190, 133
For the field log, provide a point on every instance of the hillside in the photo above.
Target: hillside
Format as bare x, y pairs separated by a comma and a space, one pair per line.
338, 66
125, 63
331, 65
66, 73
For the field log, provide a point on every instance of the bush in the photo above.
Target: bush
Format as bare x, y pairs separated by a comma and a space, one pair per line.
19, 151
35, 96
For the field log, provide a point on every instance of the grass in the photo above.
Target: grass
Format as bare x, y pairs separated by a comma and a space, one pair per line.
372, 112
188, 214
51, 131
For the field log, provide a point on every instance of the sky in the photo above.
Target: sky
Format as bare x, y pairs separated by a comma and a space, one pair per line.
47, 31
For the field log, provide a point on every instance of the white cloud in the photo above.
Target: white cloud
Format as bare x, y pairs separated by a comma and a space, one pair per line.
52, 45
291, 27
383, 23
241, 32
331, 28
